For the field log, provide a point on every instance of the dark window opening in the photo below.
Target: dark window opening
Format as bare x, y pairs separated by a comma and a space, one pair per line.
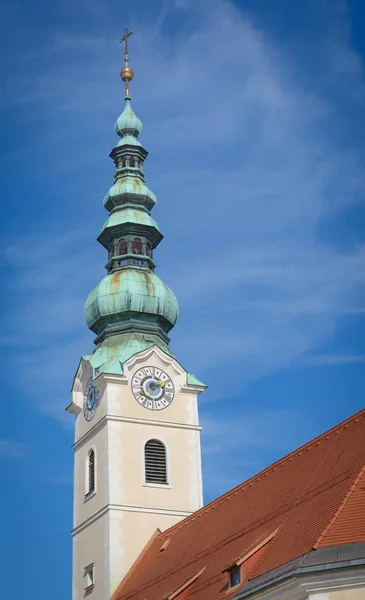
137, 246
149, 249
234, 577
122, 247
155, 462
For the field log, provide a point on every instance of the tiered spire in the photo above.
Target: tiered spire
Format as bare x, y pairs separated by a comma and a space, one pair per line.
131, 301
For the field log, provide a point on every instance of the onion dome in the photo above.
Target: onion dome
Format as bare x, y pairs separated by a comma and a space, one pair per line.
128, 296
128, 124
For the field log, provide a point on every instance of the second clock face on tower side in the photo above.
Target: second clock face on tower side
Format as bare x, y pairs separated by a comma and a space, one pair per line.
152, 388
91, 399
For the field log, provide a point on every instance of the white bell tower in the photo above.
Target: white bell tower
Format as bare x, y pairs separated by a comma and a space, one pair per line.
137, 435
134, 489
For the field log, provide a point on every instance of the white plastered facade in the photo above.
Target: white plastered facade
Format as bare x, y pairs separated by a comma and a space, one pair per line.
112, 525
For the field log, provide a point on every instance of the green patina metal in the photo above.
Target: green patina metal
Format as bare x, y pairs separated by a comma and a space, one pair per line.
111, 355
114, 351
129, 215
123, 191
131, 309
192, 380
131, 292
127, 123
129, 140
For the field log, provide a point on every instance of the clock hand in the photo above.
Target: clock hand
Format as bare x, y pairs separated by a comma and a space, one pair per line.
161, 383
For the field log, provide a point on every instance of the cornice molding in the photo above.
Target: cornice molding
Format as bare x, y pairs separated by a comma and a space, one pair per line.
167, 361
302, 581
103, 421
128, 508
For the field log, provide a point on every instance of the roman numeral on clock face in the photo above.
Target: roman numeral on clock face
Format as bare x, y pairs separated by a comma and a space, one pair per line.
147, 371
152, 388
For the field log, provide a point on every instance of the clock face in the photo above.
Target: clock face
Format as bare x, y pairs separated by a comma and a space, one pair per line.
152, 388
91, 399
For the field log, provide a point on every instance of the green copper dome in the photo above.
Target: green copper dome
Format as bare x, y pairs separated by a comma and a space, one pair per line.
129, 140
128, 124
129, 215
126, 189
131, 294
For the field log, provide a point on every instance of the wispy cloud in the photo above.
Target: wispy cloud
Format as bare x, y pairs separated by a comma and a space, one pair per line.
65, 479
12, 449
246, 167
319, 360
236, 448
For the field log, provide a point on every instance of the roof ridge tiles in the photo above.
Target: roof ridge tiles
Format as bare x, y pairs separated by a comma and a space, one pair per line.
186, 584
251, 550
280, 462
211, 580
340, 509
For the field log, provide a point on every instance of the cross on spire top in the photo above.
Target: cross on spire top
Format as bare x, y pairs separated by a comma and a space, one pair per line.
124, 39
126, 73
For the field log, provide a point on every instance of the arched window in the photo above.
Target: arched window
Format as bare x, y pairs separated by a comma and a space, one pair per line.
137, 246
90, 472
122, 247
155, 462
149, 249
131, 162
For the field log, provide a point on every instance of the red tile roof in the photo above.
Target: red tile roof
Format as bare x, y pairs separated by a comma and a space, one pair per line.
312, 498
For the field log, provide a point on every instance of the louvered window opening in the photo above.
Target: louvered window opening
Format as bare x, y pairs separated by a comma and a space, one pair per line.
91, 472
155, 462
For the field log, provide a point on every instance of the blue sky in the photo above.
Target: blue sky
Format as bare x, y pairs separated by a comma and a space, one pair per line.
253, 117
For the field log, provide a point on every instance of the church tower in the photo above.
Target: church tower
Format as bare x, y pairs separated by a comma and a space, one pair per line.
137, 461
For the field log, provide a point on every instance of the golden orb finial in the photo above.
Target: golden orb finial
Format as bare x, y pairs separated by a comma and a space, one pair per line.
126, 73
